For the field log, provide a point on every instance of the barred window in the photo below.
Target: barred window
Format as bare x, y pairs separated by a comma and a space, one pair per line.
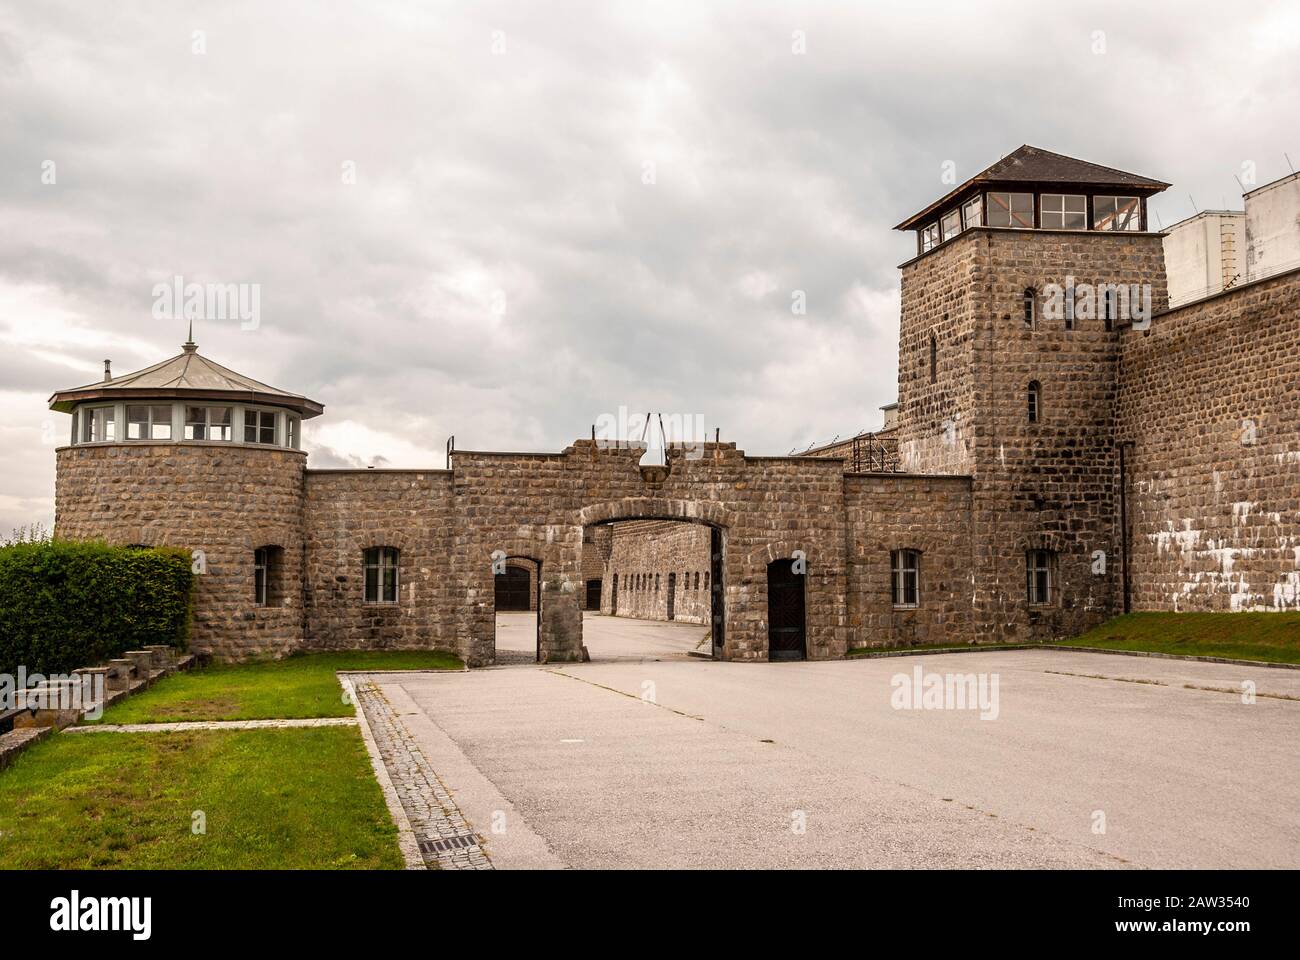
1038, 576
381, 574
906, 577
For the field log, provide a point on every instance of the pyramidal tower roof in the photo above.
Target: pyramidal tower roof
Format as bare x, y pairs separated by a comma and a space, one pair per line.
1034, 165
188, 375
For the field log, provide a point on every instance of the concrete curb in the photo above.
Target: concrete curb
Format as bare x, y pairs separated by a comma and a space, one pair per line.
977, 648
406, 839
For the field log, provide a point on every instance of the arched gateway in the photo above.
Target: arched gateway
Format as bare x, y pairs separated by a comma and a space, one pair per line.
408, 559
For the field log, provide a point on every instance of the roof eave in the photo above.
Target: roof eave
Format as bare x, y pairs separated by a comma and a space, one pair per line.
65, 400
1145, 189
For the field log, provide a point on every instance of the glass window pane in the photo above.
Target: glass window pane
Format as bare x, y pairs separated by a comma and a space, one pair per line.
372, 584
951, 224
1022, 210
137, 423
972, 213
219, 423
195, 424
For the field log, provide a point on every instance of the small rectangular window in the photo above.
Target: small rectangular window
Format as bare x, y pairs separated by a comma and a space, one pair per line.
260, 563
1064, 211
951, 224
1011, 210
148, 422
1038, 576
259, 426
930, 237
906, 577
972, 212
381, 575
1116, 213
98, 425
207, 423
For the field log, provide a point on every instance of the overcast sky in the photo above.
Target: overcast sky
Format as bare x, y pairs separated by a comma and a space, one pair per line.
500, 269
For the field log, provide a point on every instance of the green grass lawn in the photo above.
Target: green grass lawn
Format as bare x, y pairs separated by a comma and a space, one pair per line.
301, 686
273, 799
1274, 637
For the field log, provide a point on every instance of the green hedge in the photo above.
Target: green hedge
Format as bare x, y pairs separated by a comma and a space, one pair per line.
66, 604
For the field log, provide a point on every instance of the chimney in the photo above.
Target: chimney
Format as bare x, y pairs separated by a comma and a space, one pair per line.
108, 373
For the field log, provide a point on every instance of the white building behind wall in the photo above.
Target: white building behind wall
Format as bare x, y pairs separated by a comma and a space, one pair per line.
1273, 228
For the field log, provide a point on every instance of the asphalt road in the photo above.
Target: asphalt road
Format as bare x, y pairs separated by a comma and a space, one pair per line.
687, 763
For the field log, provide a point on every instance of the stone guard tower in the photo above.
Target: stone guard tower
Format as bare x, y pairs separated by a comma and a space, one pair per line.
189, 452
1012, 313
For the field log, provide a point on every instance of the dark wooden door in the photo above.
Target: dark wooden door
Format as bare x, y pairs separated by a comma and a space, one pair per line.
593, 595
785, 612
672, 596
716, 598
512, 589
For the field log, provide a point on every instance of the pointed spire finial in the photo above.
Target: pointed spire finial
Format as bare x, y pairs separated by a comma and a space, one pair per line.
189, 346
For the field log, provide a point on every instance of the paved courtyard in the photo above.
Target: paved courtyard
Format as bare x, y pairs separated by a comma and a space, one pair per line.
690, 763
606, 638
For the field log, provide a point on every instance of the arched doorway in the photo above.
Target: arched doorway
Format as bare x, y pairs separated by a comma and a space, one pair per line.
517, 611
786, 622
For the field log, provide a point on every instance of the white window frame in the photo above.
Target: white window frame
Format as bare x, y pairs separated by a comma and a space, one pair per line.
973, 220
899, 571
259, 413
1058, 207
150, 422
292, 431
930, 237
1034, 401
1036, 562
1111, 219
207, 421
955, 212
386, 558
1011, 223
89, 421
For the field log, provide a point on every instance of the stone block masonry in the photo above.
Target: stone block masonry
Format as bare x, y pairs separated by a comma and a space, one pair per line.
662, 569
1209, 398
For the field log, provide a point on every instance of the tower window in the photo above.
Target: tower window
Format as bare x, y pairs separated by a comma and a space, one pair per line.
259, 426
929, 237
1116, 213
951, 224
934, 359
1064, 211
207, 423
905, 577
1038, 576
148, 422
1035, 398
1028, 298
1011, 210
98, 424
972, 212
381, 574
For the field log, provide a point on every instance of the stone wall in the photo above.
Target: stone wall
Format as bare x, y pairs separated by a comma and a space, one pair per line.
929, 514
225, 499
649, 556
1210, 399
348, 511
